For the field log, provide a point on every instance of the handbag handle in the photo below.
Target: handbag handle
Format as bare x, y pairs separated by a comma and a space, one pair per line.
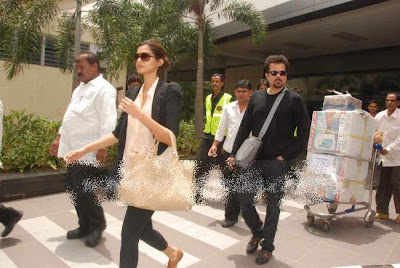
154, 149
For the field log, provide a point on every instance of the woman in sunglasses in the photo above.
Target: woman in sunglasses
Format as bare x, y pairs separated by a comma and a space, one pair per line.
148, 110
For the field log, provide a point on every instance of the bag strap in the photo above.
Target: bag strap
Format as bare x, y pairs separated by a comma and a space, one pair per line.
271, 113
173, 144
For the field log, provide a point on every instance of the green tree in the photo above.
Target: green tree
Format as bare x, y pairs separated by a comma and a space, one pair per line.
194, 11
119, 26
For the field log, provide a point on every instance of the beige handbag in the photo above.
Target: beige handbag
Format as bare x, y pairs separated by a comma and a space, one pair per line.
157, 182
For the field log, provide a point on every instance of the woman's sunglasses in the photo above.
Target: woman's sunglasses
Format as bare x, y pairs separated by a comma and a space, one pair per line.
142, 56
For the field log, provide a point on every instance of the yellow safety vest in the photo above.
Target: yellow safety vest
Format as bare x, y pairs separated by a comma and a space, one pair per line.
212, 122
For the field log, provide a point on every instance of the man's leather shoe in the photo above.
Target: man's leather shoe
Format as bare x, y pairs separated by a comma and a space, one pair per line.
253, 244
11, 224
93, 238
174, 263
228, 223
380, 216
263, 257
77, 233
397, 220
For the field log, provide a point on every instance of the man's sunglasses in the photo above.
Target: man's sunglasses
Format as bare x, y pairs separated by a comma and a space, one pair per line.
275, 73
142, 56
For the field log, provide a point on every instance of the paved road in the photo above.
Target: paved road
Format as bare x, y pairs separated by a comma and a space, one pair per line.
39, 239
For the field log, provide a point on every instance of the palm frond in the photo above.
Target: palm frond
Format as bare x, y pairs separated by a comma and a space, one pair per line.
216, 4
247, 14
65, 42
22, 31
118, 31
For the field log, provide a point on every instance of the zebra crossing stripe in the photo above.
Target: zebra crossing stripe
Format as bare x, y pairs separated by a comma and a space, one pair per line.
209, 212
357, 266
283, 215
114, 227
194, 230
372, 266
220, 214
5, 261
52, 236
292, 203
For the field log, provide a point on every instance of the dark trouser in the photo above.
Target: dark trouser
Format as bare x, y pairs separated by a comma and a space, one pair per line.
138, 225
389, 185
89, 211
377, 175
232, 206
7, 214
204, 165
272, 173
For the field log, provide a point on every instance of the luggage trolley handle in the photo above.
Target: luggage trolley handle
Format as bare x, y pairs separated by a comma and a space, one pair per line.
377, 147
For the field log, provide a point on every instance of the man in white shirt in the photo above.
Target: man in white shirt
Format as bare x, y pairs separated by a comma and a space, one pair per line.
90, 116
8, 215
232, 116
388, 123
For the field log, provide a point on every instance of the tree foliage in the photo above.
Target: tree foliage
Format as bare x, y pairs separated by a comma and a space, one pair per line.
119, 26
65, 42
199, 13
184, 27
21, 25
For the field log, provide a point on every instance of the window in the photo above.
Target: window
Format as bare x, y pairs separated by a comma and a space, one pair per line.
34, 56
50, 51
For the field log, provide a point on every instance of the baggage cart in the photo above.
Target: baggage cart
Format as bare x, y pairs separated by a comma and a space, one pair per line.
332, 206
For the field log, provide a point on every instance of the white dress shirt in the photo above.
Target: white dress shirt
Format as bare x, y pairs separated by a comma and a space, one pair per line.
138, 137
230, 121
390, 127
91, 115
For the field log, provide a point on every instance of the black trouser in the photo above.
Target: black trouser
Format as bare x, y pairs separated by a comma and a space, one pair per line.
389, 185
7, 214
88, 209
204, 165
232, 206
271, 172
138, 225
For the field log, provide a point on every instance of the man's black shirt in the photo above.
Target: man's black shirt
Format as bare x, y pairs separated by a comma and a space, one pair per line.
279, 138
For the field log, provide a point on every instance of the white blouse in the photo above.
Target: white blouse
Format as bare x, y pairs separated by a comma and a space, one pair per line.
138, 137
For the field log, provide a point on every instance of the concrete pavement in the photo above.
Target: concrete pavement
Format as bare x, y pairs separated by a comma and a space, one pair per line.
39, 239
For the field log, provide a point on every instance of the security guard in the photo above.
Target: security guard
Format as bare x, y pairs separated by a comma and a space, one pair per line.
215, 104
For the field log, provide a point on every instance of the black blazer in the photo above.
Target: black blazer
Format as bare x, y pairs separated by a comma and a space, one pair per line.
166, 110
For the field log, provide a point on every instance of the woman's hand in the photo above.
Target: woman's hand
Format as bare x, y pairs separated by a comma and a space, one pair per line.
130, 108
75, 155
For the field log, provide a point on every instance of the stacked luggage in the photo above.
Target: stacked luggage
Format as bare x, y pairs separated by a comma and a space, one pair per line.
340, 148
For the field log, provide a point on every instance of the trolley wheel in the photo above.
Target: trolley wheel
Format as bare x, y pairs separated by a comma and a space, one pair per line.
369, 218
327, 226
332, 207
311, 220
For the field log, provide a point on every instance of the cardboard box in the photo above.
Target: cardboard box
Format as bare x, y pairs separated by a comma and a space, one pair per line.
343, 133
341, 102
340, 179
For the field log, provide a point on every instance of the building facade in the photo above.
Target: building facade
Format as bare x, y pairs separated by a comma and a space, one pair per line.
341, 44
